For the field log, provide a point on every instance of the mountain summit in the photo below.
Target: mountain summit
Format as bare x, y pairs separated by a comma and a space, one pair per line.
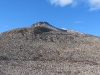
45, 27
37, 28
41, 23
43, 49
40, 27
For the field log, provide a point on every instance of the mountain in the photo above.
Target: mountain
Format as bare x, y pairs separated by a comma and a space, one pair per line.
43, 49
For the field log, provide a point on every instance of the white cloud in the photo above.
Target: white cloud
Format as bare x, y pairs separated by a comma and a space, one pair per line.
79, 21
61, 2
93, 4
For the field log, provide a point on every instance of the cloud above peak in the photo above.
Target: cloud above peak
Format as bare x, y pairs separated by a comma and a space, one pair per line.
61, 2
93, 4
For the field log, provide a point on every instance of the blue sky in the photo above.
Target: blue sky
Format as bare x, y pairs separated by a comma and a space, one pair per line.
79, 15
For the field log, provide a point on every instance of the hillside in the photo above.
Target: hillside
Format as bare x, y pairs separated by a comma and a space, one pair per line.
43, 49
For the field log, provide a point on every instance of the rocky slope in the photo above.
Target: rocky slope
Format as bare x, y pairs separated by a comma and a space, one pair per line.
46, 50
